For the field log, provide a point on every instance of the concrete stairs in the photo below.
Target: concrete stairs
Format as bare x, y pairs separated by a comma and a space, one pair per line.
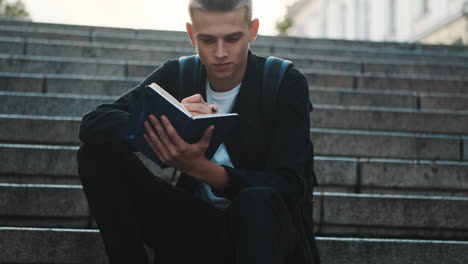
390, 129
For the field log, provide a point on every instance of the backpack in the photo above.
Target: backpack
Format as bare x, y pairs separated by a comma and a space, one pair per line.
273, 73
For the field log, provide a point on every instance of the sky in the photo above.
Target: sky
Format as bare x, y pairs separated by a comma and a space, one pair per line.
141, 14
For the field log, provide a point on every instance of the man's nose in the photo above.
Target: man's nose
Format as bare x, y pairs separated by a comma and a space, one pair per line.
221, 49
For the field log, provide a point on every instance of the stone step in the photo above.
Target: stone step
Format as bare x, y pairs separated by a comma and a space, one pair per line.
107, 85
38, 160
390, 119
123, 68
394, 99
358, 143
69, 84
391, 176
44, 205
174, 38
383, 81
48, 164
62, 130
44, 245
400, 216
389, 251
50, 104
25, 103
346, 214
39, 129
63, 48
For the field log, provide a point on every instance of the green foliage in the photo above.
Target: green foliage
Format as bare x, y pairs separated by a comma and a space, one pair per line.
283, 25
13, 10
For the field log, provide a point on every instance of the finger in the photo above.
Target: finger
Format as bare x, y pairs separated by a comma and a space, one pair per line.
153, 146
172, 133
198, 108
206, 138
154, 141
161, 131
214, 108
196, 98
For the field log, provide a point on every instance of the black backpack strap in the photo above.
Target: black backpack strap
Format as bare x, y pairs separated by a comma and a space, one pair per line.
273, 73
189, 75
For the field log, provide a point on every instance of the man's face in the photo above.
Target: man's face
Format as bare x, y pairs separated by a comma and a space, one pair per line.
222, 40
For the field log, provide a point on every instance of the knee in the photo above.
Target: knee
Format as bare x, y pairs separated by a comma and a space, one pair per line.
92, 153
92, 159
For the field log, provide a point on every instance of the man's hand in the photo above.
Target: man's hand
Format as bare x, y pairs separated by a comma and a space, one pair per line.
197, 106
171, 148
188, 158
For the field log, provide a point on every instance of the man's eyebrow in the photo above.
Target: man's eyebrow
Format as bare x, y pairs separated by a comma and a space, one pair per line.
204, 36
235, 34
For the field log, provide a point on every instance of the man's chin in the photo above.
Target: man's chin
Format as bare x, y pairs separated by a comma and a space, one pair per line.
222, 75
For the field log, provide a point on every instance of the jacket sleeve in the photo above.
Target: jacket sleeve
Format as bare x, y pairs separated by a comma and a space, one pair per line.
106, 124
289, 149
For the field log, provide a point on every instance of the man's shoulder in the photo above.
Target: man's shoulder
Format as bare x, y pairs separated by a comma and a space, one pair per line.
291, 74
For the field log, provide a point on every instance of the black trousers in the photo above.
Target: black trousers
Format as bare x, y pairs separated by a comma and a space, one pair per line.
132, 207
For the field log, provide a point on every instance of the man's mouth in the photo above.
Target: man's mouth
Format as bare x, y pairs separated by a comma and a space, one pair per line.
222, 66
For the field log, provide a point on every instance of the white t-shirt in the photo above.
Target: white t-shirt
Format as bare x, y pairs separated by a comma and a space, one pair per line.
225, 102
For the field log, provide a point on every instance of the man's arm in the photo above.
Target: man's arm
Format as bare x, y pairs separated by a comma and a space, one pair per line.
106, 124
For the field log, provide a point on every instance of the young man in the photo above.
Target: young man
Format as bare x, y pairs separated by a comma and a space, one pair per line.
250, 203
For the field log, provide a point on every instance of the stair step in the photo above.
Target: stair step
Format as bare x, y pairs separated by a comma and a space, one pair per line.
43, 245
44, 47
390, 119
391, 215
60, 83
48, 164
334, 213
383, 81
25, 103
390, 251
106, 85
50, 104
391, 176
28, 29
382, 98
44, 205
356, 143
119, 67
38, 160
64, 131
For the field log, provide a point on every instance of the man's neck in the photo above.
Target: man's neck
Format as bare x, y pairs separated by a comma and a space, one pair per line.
223, 85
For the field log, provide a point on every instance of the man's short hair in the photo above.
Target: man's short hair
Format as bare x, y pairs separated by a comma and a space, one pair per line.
221, 6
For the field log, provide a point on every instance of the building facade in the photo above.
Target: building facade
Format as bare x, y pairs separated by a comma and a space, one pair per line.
428, 21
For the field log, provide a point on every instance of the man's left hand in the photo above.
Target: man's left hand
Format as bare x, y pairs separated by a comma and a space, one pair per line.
172, 149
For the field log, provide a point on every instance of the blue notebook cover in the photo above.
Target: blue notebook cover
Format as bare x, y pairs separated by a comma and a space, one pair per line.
158, 102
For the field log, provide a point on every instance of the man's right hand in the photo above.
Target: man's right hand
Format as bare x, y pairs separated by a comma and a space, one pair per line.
197, 106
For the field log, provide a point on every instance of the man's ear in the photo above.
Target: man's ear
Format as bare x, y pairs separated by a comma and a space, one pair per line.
189, 28
254, 25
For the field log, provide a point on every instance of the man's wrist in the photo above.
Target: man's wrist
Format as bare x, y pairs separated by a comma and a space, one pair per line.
210, 173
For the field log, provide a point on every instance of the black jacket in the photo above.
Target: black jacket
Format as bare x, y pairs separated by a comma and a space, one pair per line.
265, 151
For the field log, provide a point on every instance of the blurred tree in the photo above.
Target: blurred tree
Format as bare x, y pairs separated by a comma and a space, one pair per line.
283, 25
13, 10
